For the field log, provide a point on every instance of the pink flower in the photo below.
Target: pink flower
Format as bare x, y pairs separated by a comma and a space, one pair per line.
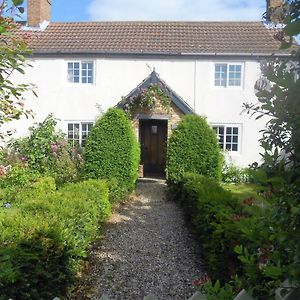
54, 148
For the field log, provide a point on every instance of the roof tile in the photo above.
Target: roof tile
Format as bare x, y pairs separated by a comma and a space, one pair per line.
156, 37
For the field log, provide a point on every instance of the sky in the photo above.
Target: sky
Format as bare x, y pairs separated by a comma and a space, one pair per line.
157, 10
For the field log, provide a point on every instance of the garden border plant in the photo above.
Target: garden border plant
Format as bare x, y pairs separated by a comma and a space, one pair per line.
193, 147
113, 153
45, 234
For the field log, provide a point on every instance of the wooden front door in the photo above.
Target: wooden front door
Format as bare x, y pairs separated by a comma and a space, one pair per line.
153, 138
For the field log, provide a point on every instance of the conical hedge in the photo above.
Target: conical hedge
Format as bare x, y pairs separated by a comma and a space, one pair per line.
193, 147
113, 152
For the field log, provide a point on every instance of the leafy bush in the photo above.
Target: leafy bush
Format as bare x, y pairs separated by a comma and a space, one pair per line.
234, 174
14, 179
47, 152
193, 147
212, 211
245, 245
112, 152
45, 234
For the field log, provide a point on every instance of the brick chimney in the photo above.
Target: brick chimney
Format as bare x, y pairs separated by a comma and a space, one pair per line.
38, 11
273, 6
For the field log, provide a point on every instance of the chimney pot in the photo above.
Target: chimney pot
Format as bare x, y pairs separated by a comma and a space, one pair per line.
38, 11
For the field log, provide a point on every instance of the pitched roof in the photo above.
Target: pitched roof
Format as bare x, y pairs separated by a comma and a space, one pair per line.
154, 79
198, 38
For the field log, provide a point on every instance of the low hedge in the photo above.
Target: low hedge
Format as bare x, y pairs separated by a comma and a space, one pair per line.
211, 210
45, 234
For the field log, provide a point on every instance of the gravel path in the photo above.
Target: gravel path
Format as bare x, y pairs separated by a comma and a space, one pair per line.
147, 249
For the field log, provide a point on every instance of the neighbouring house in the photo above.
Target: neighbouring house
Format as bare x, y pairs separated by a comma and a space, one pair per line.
208, 68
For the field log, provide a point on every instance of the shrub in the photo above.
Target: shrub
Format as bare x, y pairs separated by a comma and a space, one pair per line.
113, 153
244, 245
14, 180
47, 152
212, 210
234, 174
193, 147
45, 234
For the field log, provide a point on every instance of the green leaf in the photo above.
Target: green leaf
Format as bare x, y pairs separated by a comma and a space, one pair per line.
17, 2
292, 28
273, 271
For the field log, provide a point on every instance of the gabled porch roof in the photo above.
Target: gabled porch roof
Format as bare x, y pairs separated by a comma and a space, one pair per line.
154, 79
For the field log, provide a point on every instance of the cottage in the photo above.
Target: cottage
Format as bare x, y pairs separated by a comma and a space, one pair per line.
207, 68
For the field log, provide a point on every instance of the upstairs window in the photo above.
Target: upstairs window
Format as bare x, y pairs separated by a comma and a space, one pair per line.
81, 72
228, 137
228, 75
78, 133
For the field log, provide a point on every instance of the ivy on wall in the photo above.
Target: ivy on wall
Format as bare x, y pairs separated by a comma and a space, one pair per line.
148, 99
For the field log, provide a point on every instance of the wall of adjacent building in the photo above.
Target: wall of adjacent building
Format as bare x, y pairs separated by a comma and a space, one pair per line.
192, 79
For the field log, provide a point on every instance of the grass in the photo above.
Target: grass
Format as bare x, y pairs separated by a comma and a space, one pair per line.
246, 190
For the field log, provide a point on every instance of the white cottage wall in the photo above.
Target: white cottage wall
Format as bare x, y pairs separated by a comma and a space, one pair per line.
192, 79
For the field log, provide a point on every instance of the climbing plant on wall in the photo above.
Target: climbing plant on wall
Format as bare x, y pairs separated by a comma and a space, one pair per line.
148, 99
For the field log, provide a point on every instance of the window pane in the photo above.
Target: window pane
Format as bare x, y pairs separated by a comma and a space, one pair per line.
234, 147
228, 130
87, 72
76, 65
235, 130
220, 75
228, 138
235, 139
235, 75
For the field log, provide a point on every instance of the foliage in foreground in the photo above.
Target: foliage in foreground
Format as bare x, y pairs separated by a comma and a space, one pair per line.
45, 234
45, 151
193, 147
12, 60
246, 243
113, 153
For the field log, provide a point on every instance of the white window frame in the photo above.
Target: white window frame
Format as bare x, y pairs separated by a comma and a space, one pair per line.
239, 141
80, 139
81, 62
235, 63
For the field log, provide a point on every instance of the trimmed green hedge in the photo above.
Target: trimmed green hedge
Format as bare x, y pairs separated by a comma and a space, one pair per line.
223, 224
45, 234
211, 210
193, 147
113, 153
